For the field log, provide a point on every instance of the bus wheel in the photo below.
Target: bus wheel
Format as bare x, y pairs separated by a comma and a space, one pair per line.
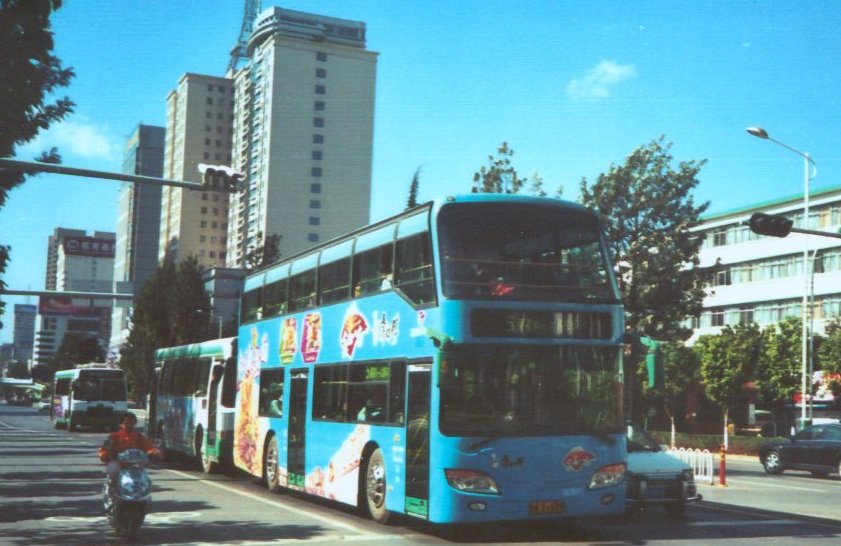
271, 466
375, 487
208, 465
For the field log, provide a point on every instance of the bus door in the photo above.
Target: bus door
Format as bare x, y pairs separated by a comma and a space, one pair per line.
216, 374
297, 428
417, 440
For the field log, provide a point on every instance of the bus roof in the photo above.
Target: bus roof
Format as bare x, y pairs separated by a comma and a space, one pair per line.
414, 217
222, 347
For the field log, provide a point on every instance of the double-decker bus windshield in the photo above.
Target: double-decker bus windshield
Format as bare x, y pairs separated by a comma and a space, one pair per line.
523, 252
506, 390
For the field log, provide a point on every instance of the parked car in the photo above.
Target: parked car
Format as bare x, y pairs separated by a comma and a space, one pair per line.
657, 478
815, 449
44, 404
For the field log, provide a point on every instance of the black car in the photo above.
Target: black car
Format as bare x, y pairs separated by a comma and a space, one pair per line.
816, 449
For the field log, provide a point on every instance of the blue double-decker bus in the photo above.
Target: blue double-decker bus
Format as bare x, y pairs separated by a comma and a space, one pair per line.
459, 362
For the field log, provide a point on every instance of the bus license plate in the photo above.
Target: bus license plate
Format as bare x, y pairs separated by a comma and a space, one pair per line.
537, 508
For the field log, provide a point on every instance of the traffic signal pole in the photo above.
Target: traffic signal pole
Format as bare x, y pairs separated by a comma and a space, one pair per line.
39, 167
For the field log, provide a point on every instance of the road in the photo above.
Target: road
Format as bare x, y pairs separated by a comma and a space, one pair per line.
50, 484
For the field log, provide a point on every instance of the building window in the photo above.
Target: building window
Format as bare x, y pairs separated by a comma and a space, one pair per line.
316, 171
315, 221
207, 142
204, 197
317, 155
315, 204
204, 210
203, 223
320, 89
202, 239
318, 122
315, 188
209, 100
317, 138
320, 56
312, 237
319, 105
206, 155
320, 72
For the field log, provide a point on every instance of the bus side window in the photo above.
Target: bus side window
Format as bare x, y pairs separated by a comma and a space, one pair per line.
415, 276
334, 281
252, 305
372, 270
302, 290
271, 392
330, 393
275, 298
229, 383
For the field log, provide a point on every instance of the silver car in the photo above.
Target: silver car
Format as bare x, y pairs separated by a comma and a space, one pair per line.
657, 478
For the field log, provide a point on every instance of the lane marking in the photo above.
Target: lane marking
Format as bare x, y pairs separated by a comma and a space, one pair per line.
795, 488
279, 504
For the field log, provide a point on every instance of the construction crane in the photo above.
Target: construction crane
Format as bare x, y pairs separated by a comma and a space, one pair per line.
239, 52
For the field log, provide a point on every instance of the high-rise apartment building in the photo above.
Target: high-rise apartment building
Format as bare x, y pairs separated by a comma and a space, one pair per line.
199, 121
303, 132
24, 336
83, 263
138, 222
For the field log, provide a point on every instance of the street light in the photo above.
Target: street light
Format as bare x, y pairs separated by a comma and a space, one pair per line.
759, 132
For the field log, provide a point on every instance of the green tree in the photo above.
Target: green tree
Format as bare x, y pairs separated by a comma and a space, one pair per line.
829, 353
647, 207
499, 176
682, 372
265, 254
171, 309
413, 190
77, 348
779, 376
728, 363
29, 72
190, 309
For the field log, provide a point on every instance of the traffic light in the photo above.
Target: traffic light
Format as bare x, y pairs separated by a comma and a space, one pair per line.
221, 177
770, 224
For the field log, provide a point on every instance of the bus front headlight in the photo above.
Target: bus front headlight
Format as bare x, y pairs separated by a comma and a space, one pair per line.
471, 481
606, 476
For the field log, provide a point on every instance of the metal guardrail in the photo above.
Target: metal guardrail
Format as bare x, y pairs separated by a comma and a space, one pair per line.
701, 461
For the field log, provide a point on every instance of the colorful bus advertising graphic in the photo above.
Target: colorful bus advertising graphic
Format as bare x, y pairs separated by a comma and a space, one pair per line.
288, 340
311, 338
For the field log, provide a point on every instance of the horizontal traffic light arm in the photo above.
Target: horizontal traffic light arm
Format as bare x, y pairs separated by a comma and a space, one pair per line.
775, 225
38, 167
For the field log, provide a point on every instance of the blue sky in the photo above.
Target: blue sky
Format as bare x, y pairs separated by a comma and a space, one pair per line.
572, 86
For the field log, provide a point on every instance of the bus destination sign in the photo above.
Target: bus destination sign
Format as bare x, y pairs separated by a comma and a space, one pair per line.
534, 324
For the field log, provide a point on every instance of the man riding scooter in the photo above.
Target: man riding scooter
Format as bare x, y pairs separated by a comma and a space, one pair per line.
127, 437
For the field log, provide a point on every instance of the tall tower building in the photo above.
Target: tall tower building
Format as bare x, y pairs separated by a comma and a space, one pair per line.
199, 121
303, 132
24, 336
83, 263
138, 222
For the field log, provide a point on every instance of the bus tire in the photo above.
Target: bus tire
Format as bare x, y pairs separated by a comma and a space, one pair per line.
208, 465
374, 487
271, 466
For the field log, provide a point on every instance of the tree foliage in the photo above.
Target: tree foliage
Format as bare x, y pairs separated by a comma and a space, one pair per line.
728, 364
829, 353
648, 210
29, 72
77, 348
779, 377
413, 190
682, 370
171, 308
265, 254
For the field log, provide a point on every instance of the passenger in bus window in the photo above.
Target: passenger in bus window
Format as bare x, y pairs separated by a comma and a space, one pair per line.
276, 406
386, 284
373, 409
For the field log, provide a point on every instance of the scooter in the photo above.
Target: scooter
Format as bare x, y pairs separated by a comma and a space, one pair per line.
127, 498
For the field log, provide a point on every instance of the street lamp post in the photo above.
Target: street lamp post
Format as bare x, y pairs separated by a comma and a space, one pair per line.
808, 163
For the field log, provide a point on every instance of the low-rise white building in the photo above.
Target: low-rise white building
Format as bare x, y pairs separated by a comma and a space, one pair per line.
762, 279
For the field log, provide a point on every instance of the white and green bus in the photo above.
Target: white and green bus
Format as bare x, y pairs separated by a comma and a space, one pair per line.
191, 407
92, 395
